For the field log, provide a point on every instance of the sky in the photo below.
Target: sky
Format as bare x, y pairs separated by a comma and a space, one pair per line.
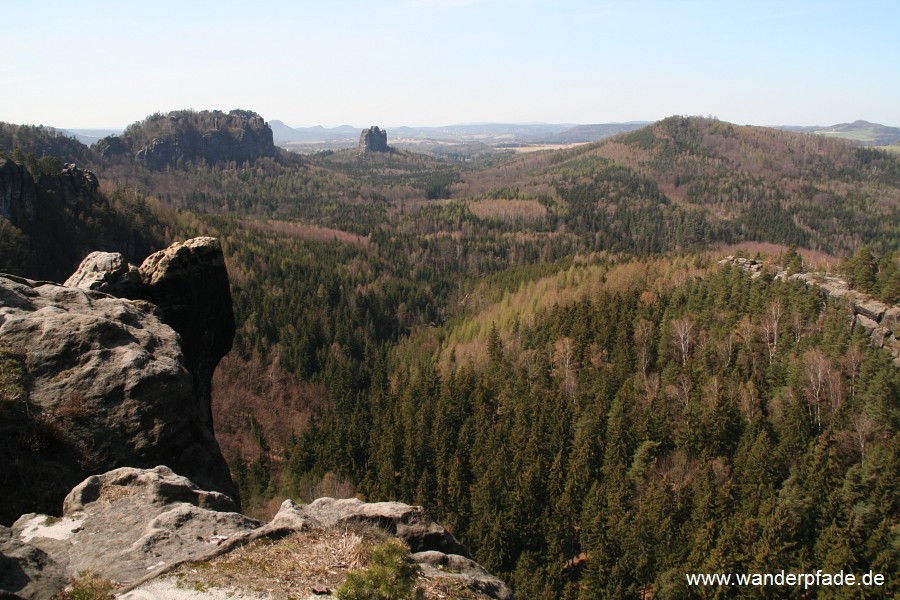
437, 62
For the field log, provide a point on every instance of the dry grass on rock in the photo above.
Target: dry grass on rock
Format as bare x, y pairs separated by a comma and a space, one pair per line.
302, 565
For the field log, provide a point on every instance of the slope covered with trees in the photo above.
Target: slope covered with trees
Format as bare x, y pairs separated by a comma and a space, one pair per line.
606, 446
541, 350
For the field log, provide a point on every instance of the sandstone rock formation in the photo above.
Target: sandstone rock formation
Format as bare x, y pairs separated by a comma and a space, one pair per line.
122, 524
373, 139
189, 284
26, 571
100, 382
179, 137
134, 526
48, 224
409, 523
18, 193
107, 272
880, 321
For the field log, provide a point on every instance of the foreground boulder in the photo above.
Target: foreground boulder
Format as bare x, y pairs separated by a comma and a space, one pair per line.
26, 571
126, 522
409, 523
134, 526
188, 284
91, 382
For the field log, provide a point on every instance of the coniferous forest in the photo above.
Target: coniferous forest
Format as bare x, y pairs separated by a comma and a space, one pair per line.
544, 350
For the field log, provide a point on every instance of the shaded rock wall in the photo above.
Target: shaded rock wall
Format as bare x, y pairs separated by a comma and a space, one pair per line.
48, 225
89, 381
373, 139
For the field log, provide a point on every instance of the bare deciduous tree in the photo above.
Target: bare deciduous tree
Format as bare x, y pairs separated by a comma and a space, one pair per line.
564, 357
863, 426
680, 391
771, 326
797, 326
851, 362
683, 337
725, 349
817, 369
643, 335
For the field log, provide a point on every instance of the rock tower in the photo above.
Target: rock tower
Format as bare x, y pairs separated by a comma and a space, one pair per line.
373, 139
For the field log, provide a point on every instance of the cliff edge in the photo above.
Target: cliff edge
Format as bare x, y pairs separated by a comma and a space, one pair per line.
150, 533
112, 369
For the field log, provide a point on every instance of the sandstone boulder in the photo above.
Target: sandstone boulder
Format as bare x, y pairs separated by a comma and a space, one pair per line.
107, 272
473, 575
134, 526
188, 282
92, 382
870, 308
128, 522
409, 523
26, 571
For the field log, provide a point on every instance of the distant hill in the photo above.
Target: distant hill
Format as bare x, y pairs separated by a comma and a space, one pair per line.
863, 132
89, 137
593, 133
42, 141
187, 136
284, 134
688, 182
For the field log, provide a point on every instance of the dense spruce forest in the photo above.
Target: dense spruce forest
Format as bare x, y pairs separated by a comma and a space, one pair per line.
542, 349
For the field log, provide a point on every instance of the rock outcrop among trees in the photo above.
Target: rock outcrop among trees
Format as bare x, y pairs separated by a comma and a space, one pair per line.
373, 139
881, 321
183, 137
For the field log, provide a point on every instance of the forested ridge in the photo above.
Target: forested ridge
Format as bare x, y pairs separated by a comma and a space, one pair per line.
542, 351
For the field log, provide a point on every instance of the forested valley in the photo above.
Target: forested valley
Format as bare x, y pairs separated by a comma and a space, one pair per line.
543, 350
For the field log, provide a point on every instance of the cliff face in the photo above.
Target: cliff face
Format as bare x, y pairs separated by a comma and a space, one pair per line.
180, 137
90, 381
21, 196
50, 220
18, 193
373, 139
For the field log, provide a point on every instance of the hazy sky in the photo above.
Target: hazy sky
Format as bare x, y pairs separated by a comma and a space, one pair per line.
437, 62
